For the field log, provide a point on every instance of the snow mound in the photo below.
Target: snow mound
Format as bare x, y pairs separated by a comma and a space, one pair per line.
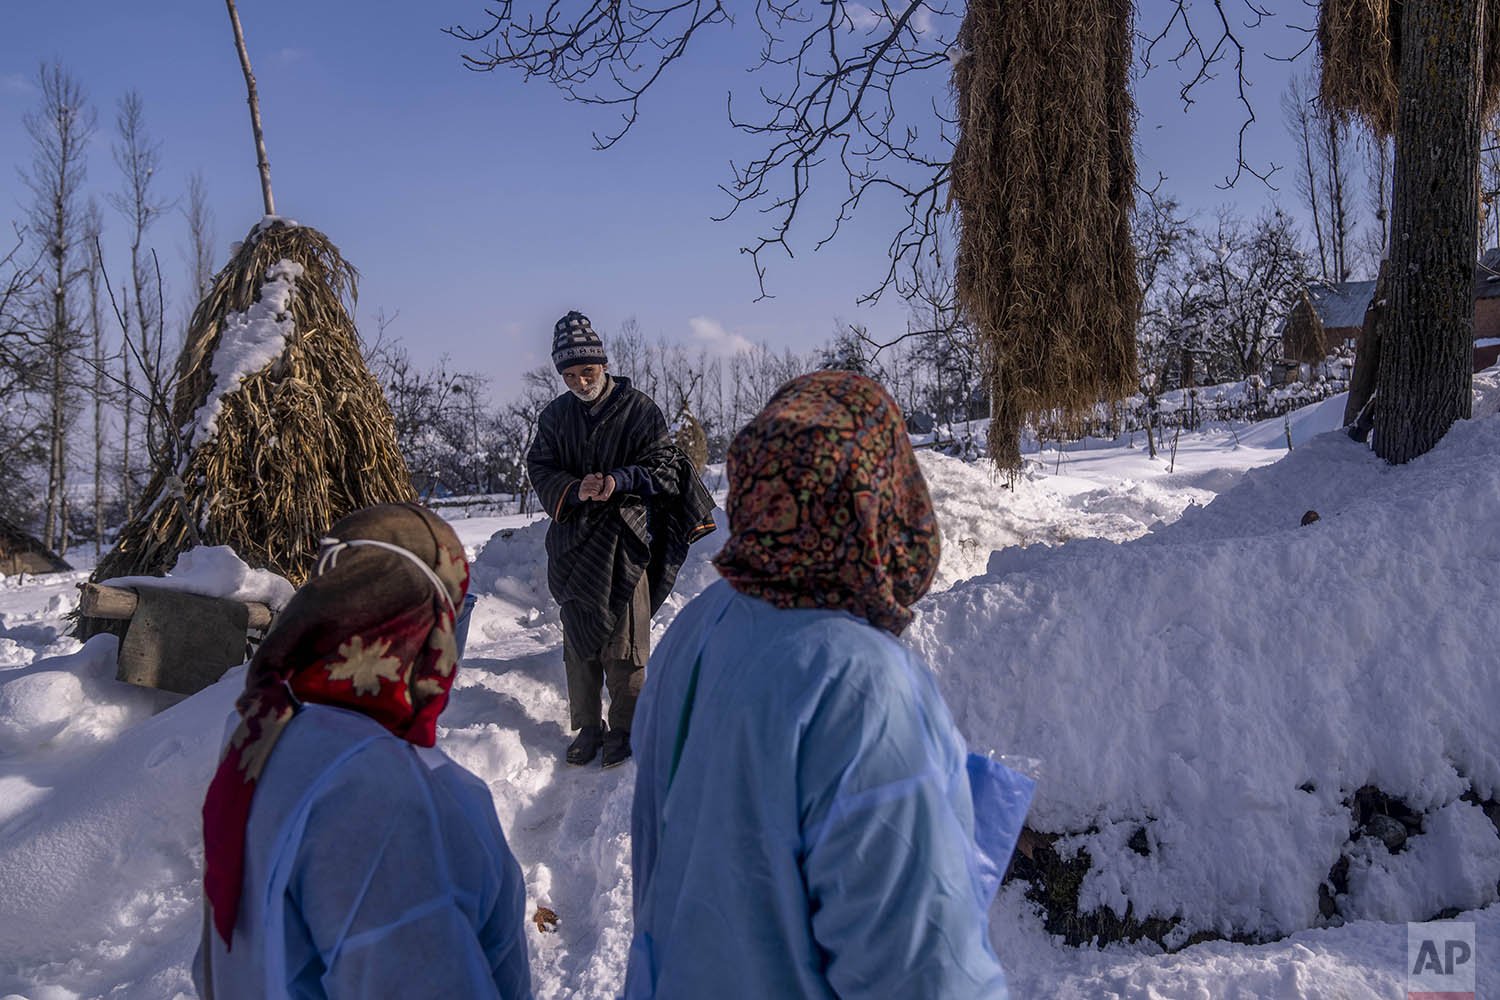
1227, 682
69, 700
73, 823
216, 571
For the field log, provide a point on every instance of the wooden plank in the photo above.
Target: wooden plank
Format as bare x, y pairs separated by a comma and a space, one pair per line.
120, 603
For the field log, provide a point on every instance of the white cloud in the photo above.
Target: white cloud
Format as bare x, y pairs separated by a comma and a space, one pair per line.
15, 83
863, 18
711, 335
290, 55
867, 19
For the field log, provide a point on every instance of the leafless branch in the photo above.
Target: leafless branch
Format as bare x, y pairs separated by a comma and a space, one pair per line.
850, 90
167, 445
1200, 50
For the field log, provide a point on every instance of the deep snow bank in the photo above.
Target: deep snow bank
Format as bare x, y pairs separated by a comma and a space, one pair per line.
1227, 682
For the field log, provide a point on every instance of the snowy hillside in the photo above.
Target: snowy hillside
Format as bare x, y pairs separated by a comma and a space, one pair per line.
1210, 673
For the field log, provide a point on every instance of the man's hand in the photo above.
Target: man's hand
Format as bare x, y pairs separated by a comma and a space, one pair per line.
596, 486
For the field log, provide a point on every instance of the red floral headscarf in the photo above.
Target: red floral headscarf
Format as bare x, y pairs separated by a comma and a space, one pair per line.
371, 632
827, 506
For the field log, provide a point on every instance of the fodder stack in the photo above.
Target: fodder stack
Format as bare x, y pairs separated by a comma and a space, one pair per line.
305, 438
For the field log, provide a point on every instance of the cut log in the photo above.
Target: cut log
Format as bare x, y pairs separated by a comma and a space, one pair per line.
120, 603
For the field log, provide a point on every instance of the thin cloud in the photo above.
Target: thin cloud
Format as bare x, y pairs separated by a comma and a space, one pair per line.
865, 19
711, 335
290, 55
15, 83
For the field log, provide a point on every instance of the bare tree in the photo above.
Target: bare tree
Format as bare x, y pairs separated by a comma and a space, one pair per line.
93, 231
1170, 328
60, 130
139, 158
23, 438
200, 229
1246, 279
539, 388
1334, 150
1323, 162
1297, 109
630, 356
1378, 170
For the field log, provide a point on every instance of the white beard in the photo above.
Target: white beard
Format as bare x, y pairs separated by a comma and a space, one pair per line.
590, 395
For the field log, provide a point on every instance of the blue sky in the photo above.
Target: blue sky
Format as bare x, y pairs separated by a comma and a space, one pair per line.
476, 206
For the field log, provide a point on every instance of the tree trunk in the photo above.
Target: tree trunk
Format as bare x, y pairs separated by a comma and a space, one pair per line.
57, 346
127, 480
1427, 354
58, 481
1338, 213
1357, 408
98, 331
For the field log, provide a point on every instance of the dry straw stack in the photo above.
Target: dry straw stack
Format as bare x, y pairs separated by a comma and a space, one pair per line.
1043, 175
1359, 45
1305, 332
302, 442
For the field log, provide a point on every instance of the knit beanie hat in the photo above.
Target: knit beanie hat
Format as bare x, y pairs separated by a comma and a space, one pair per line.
574, 342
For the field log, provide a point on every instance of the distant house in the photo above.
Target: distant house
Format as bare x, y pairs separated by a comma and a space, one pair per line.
1487, 310
1328, 317
22, 553
1325, 319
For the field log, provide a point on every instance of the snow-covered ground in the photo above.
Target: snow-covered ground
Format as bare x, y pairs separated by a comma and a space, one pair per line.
1173, 648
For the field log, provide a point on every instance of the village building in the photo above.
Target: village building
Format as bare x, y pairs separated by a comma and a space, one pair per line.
1328, 319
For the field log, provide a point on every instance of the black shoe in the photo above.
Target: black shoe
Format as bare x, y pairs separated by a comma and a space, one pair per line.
616, 747
585, 747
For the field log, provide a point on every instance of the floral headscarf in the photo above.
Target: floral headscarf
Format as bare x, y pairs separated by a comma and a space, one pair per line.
827, 506
372, 631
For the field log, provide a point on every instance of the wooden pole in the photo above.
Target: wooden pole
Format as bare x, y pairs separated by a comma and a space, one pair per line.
254, 100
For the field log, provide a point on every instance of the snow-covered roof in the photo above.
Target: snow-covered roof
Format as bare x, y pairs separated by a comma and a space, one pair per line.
1341, 304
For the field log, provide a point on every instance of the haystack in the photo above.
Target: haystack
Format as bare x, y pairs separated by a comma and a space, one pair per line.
1043, 176
283, 429
1359, 46
1304, 338
688, 434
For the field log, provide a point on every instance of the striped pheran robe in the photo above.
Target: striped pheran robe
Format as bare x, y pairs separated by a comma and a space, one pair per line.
596, 552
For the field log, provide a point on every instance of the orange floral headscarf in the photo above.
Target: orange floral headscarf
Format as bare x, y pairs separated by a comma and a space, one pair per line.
827, 506
371, 632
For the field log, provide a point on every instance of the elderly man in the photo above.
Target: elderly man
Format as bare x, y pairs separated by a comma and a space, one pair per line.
625, 505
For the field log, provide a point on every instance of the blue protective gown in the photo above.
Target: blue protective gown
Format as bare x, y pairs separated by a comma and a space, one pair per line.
817, 838
372, 869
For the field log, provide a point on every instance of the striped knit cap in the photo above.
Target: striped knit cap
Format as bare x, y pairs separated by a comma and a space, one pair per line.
574, 342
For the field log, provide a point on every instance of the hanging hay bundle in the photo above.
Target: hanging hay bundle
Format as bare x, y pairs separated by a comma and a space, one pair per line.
1359, 48
282, 427
1043, 176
